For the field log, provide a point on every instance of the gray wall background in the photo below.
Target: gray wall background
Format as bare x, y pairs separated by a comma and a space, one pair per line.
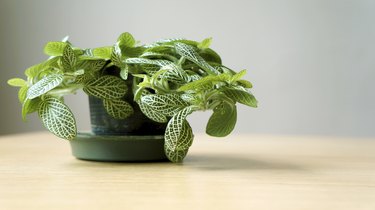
312, 62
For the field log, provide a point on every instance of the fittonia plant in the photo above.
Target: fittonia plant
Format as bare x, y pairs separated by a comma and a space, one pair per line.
171, 79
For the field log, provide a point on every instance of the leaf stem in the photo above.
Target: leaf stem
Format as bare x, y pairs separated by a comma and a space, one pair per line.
65, 91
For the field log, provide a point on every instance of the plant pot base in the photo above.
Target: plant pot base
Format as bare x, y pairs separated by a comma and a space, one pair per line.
88, 146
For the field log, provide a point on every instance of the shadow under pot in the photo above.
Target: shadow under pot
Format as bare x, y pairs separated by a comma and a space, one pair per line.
136, 138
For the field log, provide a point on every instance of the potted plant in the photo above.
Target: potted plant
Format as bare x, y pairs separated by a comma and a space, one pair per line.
139, 95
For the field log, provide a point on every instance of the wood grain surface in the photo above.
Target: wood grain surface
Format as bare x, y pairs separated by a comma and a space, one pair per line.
250, 172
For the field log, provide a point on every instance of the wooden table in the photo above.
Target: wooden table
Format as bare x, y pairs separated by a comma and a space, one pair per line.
249, 172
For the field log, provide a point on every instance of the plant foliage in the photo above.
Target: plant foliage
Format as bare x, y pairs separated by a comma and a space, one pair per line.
172, 78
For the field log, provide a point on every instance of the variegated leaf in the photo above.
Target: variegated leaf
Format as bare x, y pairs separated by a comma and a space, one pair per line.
155, 55
150, 69
158, 62
163, 41
151, 113
165, 49
168, 42
117, 108
194, 77
69, 59
178, 136
124, 72
116, 55
95, 65
116, 58
205, 82
190, 53
44, 85
84, 78
175, 73
58, 118
189, 98
106, 87
87, 53
168, 104
148, 65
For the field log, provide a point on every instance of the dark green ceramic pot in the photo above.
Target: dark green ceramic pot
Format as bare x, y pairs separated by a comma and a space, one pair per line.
137, 124
88, 146
136, 138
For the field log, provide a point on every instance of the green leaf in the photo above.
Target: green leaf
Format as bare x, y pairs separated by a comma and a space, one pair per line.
163, 42
79, 72
155, 55
168, 104
83, 78
165, 49
116, 58
102, 52
190, 53
17, 82
118, 109
194, 77
124, 72
91, 70
245, 83
91, 65
148, 65
88, 55
106, 87
151, 113
34, 71
57, 118
175, 74
132, 51
223, 120
159, 62
69, 59
178, 136
146, 82
238, 75
241, 96
190, 98
170, 42
126, 39
30, 106
205, 82
78, 52
22, 93
205, 43
55, 48
150, 69
44, 85
210, 56
97, 65
116, 55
